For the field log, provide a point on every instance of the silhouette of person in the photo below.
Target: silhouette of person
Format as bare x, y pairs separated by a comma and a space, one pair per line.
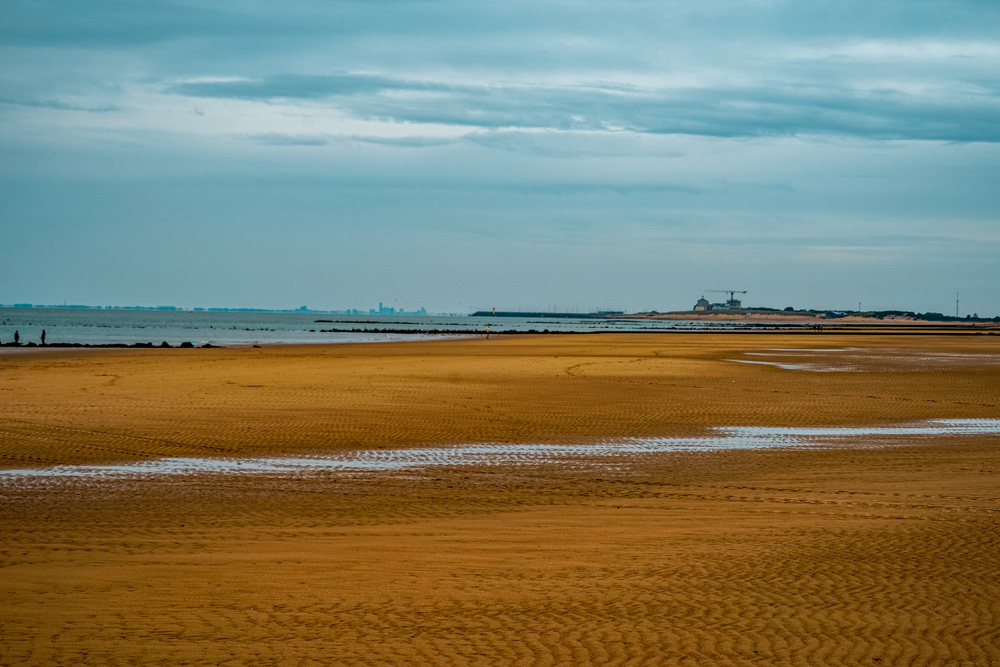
43, 336
17, 337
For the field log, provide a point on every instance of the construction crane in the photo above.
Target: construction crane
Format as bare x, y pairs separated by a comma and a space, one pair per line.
732, 302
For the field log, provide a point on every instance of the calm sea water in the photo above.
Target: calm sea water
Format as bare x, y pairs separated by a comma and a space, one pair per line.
78, 325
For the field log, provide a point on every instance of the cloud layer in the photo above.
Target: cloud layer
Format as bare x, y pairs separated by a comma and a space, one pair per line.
785, 109
690, 142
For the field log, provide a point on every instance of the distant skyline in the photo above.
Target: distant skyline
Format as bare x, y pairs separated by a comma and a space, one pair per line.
421, 311
464, 156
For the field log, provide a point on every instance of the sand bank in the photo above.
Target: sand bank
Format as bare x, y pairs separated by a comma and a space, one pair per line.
828, 556
66, 407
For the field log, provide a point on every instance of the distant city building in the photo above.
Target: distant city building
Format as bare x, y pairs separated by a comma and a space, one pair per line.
385, 310
703, 304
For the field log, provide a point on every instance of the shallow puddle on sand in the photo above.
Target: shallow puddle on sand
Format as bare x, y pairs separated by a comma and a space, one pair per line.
862, 360
815, 368
834, 365
805, 350
723, 438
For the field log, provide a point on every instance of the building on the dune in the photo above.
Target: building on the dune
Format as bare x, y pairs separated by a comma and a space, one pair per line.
730, 304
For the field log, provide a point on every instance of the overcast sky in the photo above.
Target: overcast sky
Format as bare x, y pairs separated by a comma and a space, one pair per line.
464, 155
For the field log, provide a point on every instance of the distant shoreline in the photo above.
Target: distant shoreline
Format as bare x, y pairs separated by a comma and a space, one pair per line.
808, 317
163, 345
755, 313
822, 327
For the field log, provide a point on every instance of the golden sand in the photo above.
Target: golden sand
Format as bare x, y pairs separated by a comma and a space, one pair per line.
837, 556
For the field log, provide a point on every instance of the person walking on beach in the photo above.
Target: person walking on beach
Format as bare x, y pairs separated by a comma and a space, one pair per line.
43, 336
17, 337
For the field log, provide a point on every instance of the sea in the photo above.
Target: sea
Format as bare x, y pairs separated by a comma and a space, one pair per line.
95, 326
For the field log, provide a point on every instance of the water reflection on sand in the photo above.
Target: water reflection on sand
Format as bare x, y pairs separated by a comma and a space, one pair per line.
722, 438
862, 360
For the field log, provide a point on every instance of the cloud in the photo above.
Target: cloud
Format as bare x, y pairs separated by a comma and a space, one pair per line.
275, 139
574, 145
405, 142
734, 111
917, 69
293, 86
57, 105
279, 139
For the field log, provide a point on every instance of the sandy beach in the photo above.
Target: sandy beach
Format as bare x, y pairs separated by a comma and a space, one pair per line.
872, 553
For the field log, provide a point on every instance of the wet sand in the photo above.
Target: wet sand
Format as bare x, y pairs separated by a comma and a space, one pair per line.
873, 553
